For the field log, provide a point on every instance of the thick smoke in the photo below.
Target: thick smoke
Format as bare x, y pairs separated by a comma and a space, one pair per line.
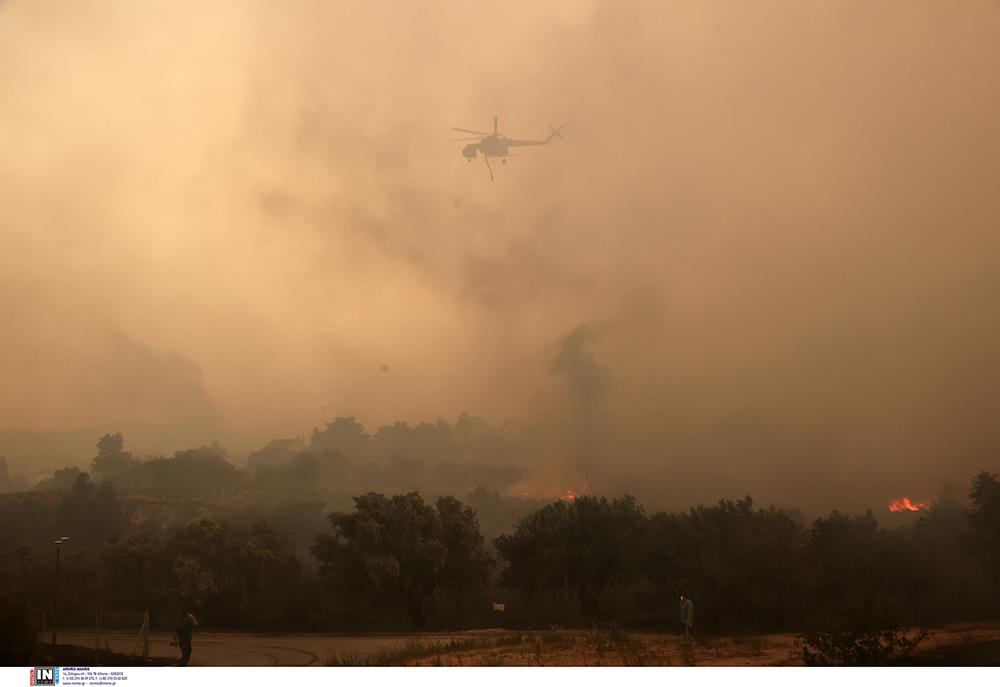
786, 211
586, 382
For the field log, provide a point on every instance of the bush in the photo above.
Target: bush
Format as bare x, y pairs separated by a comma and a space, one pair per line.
18, 632
865, 648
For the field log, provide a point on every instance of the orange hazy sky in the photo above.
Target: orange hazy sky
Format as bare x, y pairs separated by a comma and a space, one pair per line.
779, 220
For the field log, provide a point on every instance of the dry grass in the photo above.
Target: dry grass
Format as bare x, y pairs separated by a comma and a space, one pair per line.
599, 646
611, 646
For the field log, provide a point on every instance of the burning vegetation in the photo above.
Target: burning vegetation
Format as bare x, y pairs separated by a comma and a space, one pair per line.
294, 550
905, 504
573, 494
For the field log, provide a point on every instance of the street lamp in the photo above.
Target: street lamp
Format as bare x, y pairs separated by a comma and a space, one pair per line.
55, 597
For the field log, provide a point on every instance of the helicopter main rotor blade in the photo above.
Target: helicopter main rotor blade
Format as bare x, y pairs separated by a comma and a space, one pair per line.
470, 131
471, 138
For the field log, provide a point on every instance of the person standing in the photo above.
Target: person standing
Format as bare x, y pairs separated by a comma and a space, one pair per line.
687, 614
185, 630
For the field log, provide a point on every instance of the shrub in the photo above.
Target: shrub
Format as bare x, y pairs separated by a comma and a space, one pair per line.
858, 648
18, 632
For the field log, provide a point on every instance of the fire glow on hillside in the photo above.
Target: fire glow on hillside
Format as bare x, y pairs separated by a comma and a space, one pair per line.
905, 504
571, 495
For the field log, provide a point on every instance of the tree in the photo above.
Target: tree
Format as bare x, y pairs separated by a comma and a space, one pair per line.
399, 550
18, 630
110, 444
112, 462
62, 479
466, 562
860, 577
740, 565
134, 570
91, 512
580, 545
344, 434
953, 576
276, 453
197, 469
238, 575
984, 518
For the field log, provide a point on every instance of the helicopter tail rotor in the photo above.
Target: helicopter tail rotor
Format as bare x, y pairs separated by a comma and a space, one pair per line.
555, 132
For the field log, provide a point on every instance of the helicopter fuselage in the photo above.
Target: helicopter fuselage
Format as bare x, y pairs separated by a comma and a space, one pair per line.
491, 146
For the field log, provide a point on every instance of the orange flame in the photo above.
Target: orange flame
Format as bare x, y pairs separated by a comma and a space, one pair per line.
905, 504
570, 495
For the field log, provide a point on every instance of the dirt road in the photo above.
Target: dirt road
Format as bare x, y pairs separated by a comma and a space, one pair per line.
247, 649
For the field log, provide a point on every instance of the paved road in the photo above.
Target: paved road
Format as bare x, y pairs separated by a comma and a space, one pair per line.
246, 649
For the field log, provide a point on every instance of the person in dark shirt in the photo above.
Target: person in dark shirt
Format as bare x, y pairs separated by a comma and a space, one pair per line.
687, 614
185, 629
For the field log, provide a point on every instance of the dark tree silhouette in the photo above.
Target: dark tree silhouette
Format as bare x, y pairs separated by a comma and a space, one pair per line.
984, 517
92, 512
399, 550
743, 566
580, 546
238, 575
112, 461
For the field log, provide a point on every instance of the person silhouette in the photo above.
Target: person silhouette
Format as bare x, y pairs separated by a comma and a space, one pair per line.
687, 614
184, 632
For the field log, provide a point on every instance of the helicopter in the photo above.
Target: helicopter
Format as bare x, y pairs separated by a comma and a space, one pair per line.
496, 145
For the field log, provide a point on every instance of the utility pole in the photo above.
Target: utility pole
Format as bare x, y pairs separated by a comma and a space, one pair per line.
97, 637
55, 596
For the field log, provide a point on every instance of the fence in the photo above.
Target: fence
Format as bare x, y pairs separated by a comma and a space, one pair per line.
103, 623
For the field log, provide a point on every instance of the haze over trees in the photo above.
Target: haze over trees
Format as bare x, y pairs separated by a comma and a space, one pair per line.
4, 474
278, 545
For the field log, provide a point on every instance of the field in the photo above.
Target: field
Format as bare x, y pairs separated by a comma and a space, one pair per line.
967, 644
